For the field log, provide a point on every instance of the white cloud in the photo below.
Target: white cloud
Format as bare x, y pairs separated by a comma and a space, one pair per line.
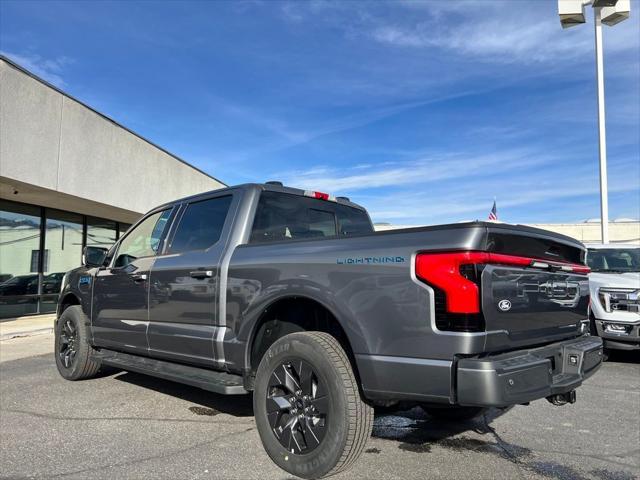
47, 69
474, 199
425, 170
497, 40
450, 187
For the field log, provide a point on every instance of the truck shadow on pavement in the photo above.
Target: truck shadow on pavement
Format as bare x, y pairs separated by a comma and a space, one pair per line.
413, 430
208, 403
417, 432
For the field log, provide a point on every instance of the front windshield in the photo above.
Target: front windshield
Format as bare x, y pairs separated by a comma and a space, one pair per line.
615, 260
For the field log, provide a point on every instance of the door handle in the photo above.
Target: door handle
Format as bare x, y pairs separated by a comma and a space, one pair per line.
201, 274
138, 277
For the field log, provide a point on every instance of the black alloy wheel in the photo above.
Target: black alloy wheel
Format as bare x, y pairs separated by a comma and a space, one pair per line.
309, 413
68, 343
297, 406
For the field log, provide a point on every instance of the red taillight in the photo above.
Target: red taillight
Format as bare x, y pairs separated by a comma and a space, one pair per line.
321, 196
442, 270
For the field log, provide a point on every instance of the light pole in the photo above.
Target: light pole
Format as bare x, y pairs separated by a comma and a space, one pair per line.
609, 12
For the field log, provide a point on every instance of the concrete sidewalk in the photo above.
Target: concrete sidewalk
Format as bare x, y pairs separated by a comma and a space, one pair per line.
26, 326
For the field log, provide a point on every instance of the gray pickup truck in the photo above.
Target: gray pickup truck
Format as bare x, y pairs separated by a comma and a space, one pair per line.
292, 295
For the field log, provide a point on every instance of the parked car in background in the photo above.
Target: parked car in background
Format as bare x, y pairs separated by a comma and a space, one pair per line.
615, 291
20, 285
51, 283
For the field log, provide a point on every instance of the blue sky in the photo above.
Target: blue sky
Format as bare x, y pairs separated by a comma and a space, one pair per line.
420, 111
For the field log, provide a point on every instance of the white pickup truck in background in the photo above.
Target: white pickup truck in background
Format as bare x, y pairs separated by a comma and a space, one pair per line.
615, 294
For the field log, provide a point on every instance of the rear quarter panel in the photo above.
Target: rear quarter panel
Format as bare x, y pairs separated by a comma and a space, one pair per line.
366, 282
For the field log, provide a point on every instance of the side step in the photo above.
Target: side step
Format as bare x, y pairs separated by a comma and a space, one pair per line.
210, 380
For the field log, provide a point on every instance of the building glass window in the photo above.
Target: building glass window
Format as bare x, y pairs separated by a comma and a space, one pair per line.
32, 265
122, 228
100, 232
19, 238
63, 252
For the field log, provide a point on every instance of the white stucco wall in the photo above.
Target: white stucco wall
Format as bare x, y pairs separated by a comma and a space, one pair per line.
55, 144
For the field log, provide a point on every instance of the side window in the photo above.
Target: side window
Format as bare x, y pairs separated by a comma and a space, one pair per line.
201, 225
144, 240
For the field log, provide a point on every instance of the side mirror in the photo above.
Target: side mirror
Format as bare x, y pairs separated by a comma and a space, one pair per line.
94, 256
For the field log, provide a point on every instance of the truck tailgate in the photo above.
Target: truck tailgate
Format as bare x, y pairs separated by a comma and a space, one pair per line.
530, 304
533, 305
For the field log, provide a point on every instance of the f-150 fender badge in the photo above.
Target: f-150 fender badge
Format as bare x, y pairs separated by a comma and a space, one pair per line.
504, 305
84, 280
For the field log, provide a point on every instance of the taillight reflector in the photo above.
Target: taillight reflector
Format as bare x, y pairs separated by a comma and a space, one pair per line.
442, 270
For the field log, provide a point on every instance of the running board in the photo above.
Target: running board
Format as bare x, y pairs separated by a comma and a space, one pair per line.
210, 380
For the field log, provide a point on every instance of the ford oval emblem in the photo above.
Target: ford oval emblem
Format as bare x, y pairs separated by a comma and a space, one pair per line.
504, 305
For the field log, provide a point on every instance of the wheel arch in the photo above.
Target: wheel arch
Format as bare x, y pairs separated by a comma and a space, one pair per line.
66, 301
295, 313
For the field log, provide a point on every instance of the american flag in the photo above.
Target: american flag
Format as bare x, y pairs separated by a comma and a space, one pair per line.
493, 214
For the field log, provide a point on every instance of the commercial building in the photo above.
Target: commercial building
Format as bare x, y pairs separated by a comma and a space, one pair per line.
69, 177
620, 231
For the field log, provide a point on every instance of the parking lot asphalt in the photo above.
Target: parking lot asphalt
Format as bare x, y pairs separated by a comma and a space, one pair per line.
129, 426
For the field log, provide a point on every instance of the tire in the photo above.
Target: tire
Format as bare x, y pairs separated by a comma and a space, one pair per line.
453, 414
309, 372
73, 353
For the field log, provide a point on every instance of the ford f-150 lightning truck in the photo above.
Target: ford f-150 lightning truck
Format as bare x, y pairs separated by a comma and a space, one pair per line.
291, 295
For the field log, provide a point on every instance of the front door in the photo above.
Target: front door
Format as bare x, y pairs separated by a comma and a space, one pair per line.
184, 284
120, 313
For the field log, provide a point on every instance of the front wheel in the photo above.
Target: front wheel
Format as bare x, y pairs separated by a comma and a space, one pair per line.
74, 354
309, 413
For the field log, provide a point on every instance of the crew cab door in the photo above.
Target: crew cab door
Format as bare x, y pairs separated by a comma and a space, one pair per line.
119, 315
183, 296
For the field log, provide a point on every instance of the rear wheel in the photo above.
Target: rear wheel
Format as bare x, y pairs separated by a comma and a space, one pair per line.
453, 414
74, 355
311, 419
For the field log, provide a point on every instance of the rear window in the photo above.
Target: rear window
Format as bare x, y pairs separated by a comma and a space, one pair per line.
283, 216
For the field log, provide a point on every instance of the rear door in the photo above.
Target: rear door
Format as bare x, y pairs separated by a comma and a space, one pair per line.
119, 315
183, 296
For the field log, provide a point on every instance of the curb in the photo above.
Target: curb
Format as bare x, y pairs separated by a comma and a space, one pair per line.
26, 333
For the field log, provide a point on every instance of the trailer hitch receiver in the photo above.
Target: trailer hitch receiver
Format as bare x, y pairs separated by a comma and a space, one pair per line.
560, 399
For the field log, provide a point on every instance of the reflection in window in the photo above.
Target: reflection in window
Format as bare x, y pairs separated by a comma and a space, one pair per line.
201, 224
144, 240
19, 238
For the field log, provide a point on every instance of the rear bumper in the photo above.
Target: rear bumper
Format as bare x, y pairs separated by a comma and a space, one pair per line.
526, 375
